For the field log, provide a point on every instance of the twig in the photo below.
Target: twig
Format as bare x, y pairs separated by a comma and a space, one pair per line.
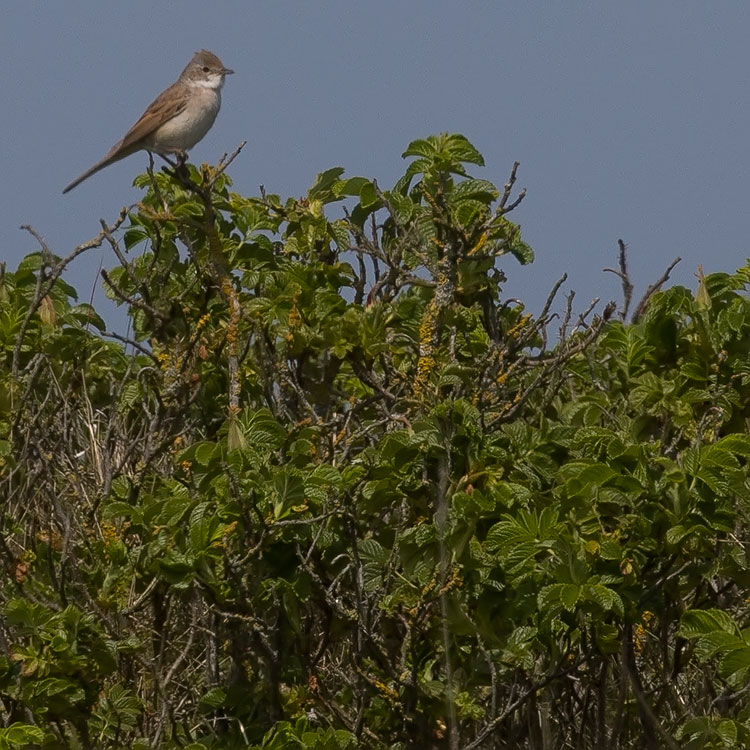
134, 301
225, 160
131, 342
640, 309
516, 202
45, 283
509, 184
627, 286
547, 305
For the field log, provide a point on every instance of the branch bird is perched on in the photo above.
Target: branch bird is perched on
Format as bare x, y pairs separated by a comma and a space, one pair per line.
177, 119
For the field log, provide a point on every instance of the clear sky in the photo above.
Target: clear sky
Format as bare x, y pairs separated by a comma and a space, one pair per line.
630, 119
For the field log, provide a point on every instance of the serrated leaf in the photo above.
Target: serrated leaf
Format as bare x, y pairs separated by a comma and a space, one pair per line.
480, 190
606, 598
32, 262
403, 206
86, 315
425, 226
20, 735
372, 551
718, 642
697, 622
735, 664
420, 147
290, 491
325, 181
352, 186
523, 253
134, 236
368, 197
735, 443
565, 595
467, 212
339, 230
460, 148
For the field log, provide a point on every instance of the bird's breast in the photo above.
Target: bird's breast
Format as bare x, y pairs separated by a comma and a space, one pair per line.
184, 130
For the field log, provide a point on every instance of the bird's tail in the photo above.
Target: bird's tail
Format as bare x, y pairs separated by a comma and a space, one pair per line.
112, 156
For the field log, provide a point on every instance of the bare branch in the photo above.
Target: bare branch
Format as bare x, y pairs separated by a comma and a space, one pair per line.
641, 307
627, 286
46, 282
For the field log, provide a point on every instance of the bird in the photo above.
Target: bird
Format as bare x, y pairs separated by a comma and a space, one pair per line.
177, 119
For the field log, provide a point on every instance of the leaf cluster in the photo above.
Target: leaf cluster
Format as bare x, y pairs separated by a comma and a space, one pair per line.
334, 490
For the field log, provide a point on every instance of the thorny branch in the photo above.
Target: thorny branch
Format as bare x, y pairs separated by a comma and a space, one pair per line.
50, 273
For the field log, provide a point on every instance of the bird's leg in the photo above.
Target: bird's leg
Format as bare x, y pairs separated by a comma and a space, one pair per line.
171, 163
179, 171
150, 168
180, 168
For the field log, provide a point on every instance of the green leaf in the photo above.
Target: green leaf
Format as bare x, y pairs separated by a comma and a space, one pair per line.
205, 531
86, 315
290, 491
368, 197
479, 190
352, 186
32, 262
420, 147
735, 665
213, 699
372, 551
697, 622
606, 598
522, 252
727, 730
460, 147
559, 595
19, 735
403, 206
736, 443
325, 182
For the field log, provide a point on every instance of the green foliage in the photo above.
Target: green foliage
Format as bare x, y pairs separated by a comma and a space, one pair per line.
718, 638
334, 490
19, 735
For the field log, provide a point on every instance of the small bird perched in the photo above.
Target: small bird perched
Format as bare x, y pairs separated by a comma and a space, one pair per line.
177, 119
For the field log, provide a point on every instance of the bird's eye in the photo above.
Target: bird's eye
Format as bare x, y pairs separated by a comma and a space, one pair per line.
205, 68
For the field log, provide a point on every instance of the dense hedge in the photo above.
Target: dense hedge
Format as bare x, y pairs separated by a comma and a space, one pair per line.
334, 490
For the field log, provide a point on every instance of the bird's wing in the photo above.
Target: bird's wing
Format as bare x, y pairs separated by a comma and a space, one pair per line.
161, 110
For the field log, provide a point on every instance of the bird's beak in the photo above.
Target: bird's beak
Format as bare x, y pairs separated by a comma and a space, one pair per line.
227, 71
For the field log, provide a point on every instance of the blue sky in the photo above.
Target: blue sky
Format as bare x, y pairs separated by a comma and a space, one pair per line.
629, 119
